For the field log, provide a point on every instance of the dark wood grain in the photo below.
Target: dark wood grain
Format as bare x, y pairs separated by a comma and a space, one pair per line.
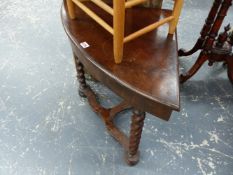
147, 79
137, 122
149, 71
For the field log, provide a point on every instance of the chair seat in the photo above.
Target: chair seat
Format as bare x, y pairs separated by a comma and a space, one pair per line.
148, 76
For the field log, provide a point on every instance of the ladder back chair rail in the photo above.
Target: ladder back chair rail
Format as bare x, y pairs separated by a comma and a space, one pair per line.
118, 13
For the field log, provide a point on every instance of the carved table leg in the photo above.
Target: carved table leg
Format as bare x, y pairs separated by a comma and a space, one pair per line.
205, 30
230, 68
197, 46
80, 76
130, 144
132, 156
200, 61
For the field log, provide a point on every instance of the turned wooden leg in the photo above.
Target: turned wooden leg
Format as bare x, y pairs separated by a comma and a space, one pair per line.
230, 68
205, 30
80, 76
197, 46
132, 156
200, 61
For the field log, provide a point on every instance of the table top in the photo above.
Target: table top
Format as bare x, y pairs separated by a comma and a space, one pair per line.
148, 76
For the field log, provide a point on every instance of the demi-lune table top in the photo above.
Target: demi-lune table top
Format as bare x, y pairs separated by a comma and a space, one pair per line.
148, 76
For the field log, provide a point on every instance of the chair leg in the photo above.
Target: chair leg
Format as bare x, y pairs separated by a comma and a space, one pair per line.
71, 9
118, 27
176, 13
132, 157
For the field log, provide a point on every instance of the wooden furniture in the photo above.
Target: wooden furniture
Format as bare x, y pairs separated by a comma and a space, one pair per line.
147, 79
214, 47
118, 13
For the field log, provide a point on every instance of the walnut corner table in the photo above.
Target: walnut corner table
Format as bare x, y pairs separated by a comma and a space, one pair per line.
147, 79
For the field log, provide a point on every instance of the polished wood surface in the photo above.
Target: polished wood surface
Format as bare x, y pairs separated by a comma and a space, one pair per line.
147, 79
150, 66
118, 10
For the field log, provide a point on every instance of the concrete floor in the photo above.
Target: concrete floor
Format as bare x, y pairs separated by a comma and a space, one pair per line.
47, 129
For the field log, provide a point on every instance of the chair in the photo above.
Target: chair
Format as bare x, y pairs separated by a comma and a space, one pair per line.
118, 13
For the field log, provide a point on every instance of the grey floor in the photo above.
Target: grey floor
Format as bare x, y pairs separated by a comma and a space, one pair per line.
46, 129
